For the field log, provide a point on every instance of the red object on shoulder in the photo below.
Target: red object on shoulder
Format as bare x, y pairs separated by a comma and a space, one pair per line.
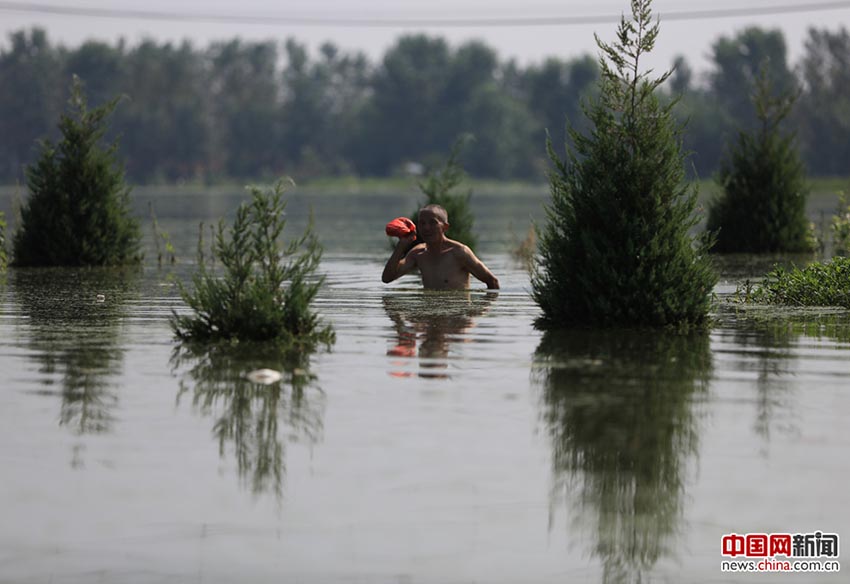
400, 227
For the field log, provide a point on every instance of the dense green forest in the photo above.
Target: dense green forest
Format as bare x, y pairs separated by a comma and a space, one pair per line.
249, 110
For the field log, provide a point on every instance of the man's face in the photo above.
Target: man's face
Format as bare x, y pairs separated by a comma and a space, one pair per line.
432, 225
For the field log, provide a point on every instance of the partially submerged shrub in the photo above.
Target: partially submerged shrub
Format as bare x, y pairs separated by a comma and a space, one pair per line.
818, 284
265, 290
763, 204
438, 187
616, 250
78, 211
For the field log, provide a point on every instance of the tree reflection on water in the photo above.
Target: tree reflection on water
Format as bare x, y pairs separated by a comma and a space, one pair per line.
74, 323
427, 324
251, 419
618, 407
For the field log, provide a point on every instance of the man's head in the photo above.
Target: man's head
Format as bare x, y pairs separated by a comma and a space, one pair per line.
433, 223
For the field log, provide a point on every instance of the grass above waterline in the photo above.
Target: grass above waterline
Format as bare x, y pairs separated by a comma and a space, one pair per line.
818, 284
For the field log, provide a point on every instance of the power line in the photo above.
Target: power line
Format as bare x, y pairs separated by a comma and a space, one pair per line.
342, 22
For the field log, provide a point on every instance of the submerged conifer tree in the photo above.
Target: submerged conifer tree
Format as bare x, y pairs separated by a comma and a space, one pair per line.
763, 204
78, 211
438, 187
616, 250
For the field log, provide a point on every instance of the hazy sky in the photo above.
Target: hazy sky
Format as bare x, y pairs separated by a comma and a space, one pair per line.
315, 21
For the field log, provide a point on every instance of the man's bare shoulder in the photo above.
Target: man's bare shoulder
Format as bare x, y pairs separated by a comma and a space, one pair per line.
457, 247
462, 251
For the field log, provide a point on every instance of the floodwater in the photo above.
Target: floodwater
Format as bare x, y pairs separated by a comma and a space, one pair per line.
441, 439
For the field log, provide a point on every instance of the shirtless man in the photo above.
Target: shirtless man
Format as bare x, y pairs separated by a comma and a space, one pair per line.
445, 264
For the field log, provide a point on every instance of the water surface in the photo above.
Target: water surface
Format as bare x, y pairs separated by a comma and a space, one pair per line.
442, 439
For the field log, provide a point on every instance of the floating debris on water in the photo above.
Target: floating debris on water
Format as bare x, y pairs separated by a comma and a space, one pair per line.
264, 376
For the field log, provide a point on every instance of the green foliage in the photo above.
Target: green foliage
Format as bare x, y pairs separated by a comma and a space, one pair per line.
169, 129
78, 212
438, 186
216, 113
818, 284
706, 121
555, 88
258, 297
763, 204
616, 250
30, 97
824, 111
738, 61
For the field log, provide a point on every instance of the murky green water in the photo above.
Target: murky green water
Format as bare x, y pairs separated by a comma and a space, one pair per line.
443, 439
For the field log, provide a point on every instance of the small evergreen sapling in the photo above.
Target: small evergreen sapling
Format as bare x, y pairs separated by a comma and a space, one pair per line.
438, 187
763, 204
78, 211
616, 250
266, 288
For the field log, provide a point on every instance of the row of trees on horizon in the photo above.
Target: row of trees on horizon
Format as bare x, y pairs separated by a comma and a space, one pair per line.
248, 110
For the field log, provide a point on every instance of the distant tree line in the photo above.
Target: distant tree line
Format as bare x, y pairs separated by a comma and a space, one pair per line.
248, 110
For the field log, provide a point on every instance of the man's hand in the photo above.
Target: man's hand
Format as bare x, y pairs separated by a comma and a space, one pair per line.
406, 241
399, 263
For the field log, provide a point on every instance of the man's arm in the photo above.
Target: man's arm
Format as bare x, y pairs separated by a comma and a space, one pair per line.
400, 262
477, 268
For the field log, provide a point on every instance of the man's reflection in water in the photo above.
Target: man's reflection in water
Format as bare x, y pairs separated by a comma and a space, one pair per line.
427, 324
619, 410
